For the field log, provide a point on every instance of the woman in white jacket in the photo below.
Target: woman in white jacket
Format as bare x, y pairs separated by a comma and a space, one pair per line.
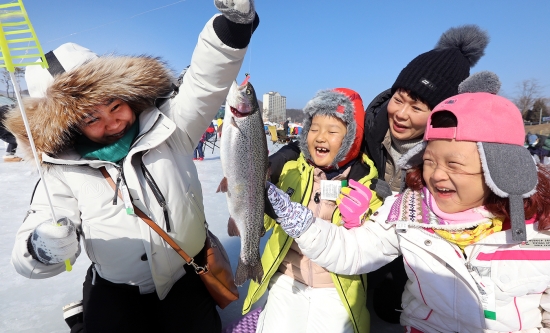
471, 226
123, 114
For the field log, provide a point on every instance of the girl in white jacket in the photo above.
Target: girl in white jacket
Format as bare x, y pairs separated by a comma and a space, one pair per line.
122, 115
471, 226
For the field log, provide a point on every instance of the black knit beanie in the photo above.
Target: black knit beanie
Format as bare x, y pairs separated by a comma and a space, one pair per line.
435, 75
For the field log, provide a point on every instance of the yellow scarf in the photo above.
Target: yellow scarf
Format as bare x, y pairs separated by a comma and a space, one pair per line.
462, 238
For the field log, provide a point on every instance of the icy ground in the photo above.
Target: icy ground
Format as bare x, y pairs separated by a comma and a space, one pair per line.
35, 305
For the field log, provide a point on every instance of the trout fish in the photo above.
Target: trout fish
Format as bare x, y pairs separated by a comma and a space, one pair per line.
244, 160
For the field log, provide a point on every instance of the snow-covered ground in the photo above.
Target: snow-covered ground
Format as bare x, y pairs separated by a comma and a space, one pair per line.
35, 305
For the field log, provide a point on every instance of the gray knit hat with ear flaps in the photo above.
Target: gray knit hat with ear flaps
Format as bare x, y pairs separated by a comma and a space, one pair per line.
508, 169
344, 104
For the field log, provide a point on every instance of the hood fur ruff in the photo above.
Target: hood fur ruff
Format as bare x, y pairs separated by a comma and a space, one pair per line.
55, 118
344, 104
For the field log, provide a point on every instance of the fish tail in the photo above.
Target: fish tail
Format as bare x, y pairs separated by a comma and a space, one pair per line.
248, 272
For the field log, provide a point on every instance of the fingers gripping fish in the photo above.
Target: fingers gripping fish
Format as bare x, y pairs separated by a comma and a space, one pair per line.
244, 161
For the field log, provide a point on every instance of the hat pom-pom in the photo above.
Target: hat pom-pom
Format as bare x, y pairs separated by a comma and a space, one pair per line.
484, 81
469, 39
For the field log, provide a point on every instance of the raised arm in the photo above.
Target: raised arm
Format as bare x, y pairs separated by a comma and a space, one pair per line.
338, 249
215, 63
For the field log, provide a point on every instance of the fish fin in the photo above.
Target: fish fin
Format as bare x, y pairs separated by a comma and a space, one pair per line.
223, 186
232, 229
246, 272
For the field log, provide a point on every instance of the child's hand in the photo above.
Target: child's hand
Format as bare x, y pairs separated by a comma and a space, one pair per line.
354, 203
294, 218
238, 11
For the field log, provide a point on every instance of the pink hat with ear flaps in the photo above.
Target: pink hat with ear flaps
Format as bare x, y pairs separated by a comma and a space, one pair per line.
496, 125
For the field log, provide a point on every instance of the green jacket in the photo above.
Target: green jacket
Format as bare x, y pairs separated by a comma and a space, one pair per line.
352, 289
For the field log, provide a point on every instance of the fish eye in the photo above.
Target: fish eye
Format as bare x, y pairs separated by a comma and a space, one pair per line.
248, 92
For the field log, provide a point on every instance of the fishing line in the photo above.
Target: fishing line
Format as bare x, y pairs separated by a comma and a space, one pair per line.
115, 21
249, 50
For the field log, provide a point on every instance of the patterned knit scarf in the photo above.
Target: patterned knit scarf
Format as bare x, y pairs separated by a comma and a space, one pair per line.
418, 209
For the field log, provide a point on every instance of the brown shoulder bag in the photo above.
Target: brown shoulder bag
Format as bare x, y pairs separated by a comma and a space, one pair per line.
216, 274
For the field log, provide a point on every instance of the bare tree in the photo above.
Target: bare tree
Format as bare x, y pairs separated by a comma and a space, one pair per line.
529, 91
540, 109
5, 80
19, 74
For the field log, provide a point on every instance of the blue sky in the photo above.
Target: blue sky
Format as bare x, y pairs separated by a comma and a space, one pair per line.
303, 46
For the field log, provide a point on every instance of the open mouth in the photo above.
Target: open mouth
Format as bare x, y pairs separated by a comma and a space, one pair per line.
237, 113
321, 151
399, 127
443, 191
118, 135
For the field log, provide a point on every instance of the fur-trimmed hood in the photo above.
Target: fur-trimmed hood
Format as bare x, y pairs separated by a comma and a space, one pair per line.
54, 119
346, 105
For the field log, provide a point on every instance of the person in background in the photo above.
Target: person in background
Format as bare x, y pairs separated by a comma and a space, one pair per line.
304, 297
395, 123
108, 117
6, 136
285, 127
538, 147
198, 153
210, 131
472, 226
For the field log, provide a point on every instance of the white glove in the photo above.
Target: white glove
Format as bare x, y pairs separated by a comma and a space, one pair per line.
294, 218
238, 11
53, 243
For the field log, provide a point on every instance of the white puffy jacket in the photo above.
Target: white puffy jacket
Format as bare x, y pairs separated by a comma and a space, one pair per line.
114, 240
442, 294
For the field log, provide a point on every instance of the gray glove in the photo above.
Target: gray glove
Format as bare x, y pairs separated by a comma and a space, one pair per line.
238, 11
294, 218
53, 243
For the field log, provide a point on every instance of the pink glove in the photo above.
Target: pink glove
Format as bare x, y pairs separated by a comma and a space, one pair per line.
354, 203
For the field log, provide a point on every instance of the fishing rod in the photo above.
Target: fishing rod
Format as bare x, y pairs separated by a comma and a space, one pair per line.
19, 41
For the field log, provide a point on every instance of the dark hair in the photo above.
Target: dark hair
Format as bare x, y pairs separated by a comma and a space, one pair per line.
444, 119
415, 97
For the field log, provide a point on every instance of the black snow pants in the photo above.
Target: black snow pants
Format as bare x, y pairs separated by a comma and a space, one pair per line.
110, 307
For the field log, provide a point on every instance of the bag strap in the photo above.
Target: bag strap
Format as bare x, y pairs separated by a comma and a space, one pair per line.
155, 227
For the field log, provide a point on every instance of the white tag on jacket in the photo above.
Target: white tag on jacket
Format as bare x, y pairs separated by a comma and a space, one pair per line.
330, 189
401, 226
486, 289
536, 243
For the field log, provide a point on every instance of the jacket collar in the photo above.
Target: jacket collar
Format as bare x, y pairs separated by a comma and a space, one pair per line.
153, 124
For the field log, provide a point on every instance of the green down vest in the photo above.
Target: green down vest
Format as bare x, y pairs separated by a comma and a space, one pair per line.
352, 289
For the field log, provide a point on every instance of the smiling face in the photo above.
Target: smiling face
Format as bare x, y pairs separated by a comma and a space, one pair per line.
324, 139
108, 122
453, 175
407, 117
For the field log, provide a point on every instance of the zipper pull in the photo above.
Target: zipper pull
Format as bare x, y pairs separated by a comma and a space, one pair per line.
166, 219
118, 178
127, 200
121, 184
